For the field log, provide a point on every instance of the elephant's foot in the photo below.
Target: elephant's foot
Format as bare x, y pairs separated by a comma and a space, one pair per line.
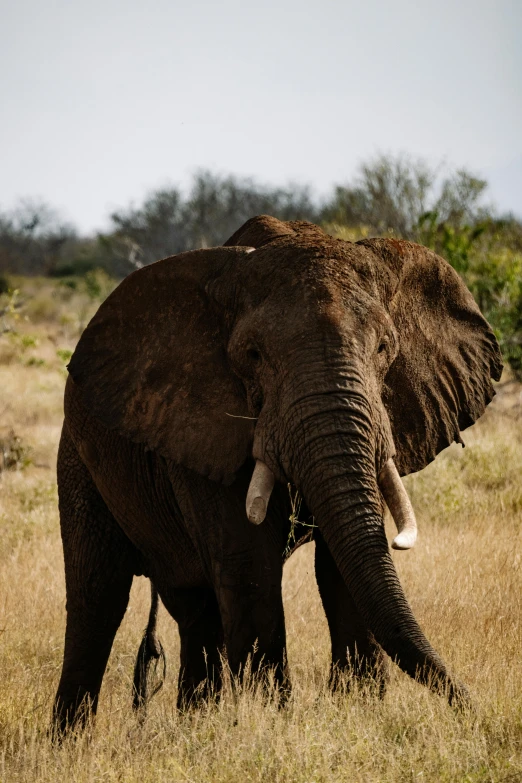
201, 637
72, 712
193, 695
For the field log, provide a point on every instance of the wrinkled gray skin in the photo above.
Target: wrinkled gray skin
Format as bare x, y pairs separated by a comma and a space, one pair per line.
319, 357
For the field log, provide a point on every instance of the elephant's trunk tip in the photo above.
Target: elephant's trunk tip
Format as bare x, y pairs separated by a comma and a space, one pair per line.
259, 491
398, 502
405, 540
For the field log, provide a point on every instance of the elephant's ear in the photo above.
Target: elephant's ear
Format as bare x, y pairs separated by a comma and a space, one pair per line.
152, 365
262, 229
440, 382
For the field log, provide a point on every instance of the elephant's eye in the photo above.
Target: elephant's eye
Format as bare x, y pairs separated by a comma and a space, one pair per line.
253, 356
382, 346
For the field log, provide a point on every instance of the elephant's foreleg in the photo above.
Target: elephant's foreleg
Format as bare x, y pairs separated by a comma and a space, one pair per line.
98, 575
254, 628
244, 565
354, 649
201, 639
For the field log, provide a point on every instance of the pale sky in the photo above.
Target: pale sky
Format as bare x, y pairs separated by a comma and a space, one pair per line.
104, 100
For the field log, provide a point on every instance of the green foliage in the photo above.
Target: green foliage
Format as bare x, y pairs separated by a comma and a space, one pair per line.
454, 242
64, 354
35, 361
76, 267
97, 284
488, 256
28, 341
498, 288
69, 283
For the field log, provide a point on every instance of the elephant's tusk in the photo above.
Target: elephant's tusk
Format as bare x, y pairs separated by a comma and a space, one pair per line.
400, 506
259, 491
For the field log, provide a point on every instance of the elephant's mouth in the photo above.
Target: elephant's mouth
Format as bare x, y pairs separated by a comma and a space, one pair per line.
390, 484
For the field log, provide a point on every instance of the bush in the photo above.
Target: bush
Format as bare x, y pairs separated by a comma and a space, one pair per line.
14, 455
97, 284
488, 257
42, 307
78, 267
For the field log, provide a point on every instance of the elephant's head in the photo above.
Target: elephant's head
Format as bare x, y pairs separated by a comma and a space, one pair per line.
329, 362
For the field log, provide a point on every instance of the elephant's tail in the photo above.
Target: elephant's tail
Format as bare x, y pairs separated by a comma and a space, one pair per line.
151, 664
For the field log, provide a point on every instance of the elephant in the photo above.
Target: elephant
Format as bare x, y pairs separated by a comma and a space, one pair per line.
209, 381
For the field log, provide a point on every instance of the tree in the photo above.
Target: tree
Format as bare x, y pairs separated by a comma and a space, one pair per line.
167, 223
392, 194
33, 238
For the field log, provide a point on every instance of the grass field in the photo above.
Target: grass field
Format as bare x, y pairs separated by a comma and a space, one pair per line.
463, 579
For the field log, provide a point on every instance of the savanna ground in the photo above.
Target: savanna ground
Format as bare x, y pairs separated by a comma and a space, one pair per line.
463, 579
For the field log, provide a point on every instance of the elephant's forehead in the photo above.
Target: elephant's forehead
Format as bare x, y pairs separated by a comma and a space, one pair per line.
313, 270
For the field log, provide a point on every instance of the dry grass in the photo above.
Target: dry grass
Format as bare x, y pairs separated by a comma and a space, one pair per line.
464, 581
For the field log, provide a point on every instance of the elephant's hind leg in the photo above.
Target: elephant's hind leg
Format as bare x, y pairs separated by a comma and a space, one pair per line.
354, 649
98, 575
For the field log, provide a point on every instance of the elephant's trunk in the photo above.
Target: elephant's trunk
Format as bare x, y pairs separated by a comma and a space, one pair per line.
398, 502
333, 463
